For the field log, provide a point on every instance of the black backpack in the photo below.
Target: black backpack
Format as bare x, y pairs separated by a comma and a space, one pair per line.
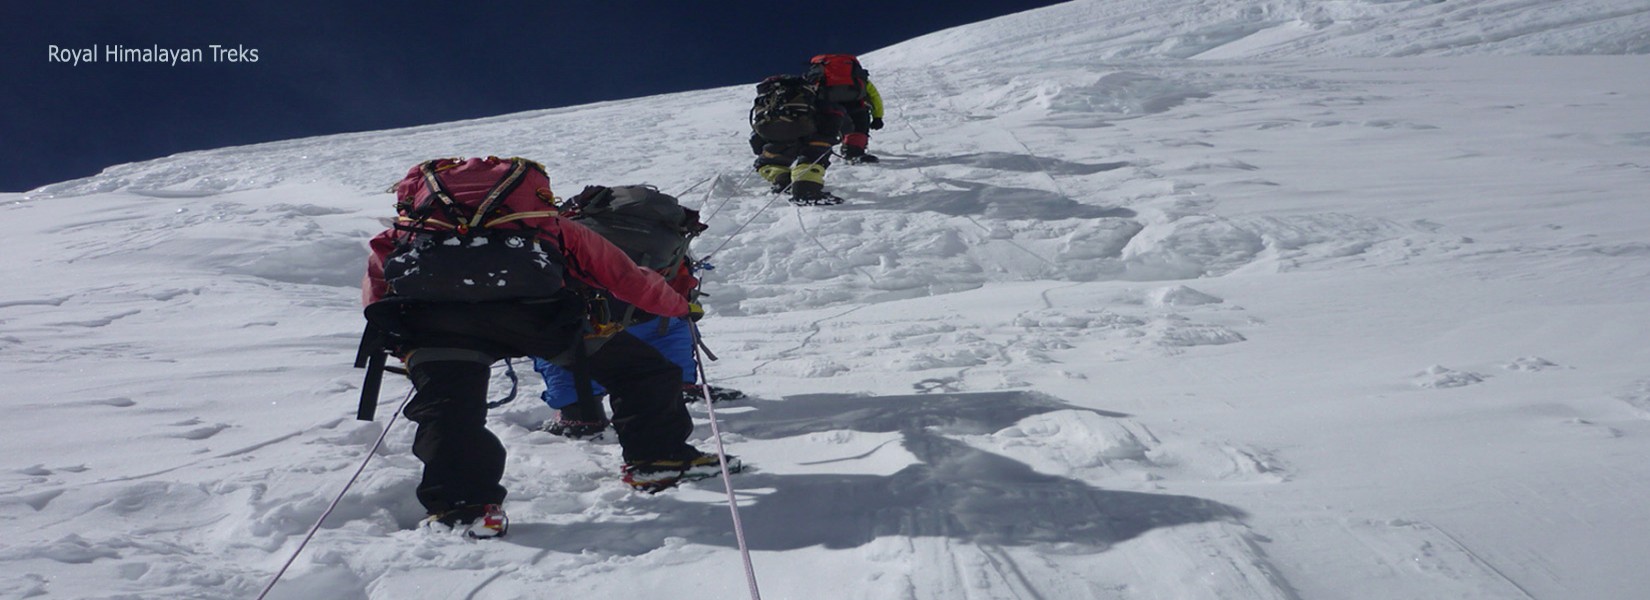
784, 108
650, 226
458, 250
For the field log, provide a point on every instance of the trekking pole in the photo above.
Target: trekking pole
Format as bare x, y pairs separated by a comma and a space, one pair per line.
722, 458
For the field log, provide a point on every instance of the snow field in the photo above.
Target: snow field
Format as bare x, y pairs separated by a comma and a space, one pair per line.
1348, 306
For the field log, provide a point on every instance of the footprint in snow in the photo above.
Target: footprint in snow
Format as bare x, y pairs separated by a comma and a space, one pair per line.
1439, 376
1590, 429
1530, 364
198, 433
99, 322
1180, 295
117, 402
1639, 398
941, 384
72, 549
38, 500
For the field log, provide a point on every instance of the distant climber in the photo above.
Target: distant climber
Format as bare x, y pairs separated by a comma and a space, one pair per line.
478, 267
792, 131
840, 79
654, 230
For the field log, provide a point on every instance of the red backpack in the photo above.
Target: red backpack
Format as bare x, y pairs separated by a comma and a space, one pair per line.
839, 77
466, 236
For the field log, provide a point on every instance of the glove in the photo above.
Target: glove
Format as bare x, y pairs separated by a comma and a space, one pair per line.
876, 123
695, 312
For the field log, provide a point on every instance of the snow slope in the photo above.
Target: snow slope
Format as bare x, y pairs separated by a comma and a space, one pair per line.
1352, 304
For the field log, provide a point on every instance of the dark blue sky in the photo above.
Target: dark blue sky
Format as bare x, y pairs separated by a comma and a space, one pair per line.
340, 66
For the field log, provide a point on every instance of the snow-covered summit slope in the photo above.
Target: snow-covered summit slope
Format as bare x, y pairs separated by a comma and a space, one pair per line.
1076, 212
1105, 323
1111, 30
1082, 33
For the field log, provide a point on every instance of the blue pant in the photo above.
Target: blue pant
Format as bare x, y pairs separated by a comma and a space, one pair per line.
676, 343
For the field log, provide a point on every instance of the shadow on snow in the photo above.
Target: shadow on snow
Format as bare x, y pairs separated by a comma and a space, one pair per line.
995, 202
1002, 161
956, 491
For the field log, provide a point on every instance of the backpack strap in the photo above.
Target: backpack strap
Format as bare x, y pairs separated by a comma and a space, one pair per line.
370, 356
580, 368
518, 169
522, 215
440, 197
595, 197
510, 372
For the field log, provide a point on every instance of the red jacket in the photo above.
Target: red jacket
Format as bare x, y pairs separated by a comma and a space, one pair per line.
590, 257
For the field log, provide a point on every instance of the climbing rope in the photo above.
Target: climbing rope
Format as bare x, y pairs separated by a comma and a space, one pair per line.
833, 253
1058, 189
742, 226
324, 514
711, 192
696, 185
722, 458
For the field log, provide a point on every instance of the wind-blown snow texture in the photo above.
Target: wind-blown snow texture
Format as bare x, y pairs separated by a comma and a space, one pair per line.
1149, 299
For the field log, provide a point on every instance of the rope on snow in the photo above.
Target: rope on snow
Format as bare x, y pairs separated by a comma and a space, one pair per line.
324, 514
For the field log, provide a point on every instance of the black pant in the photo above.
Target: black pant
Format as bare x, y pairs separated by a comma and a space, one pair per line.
645, 391
831, 122
584, 410
464, 462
